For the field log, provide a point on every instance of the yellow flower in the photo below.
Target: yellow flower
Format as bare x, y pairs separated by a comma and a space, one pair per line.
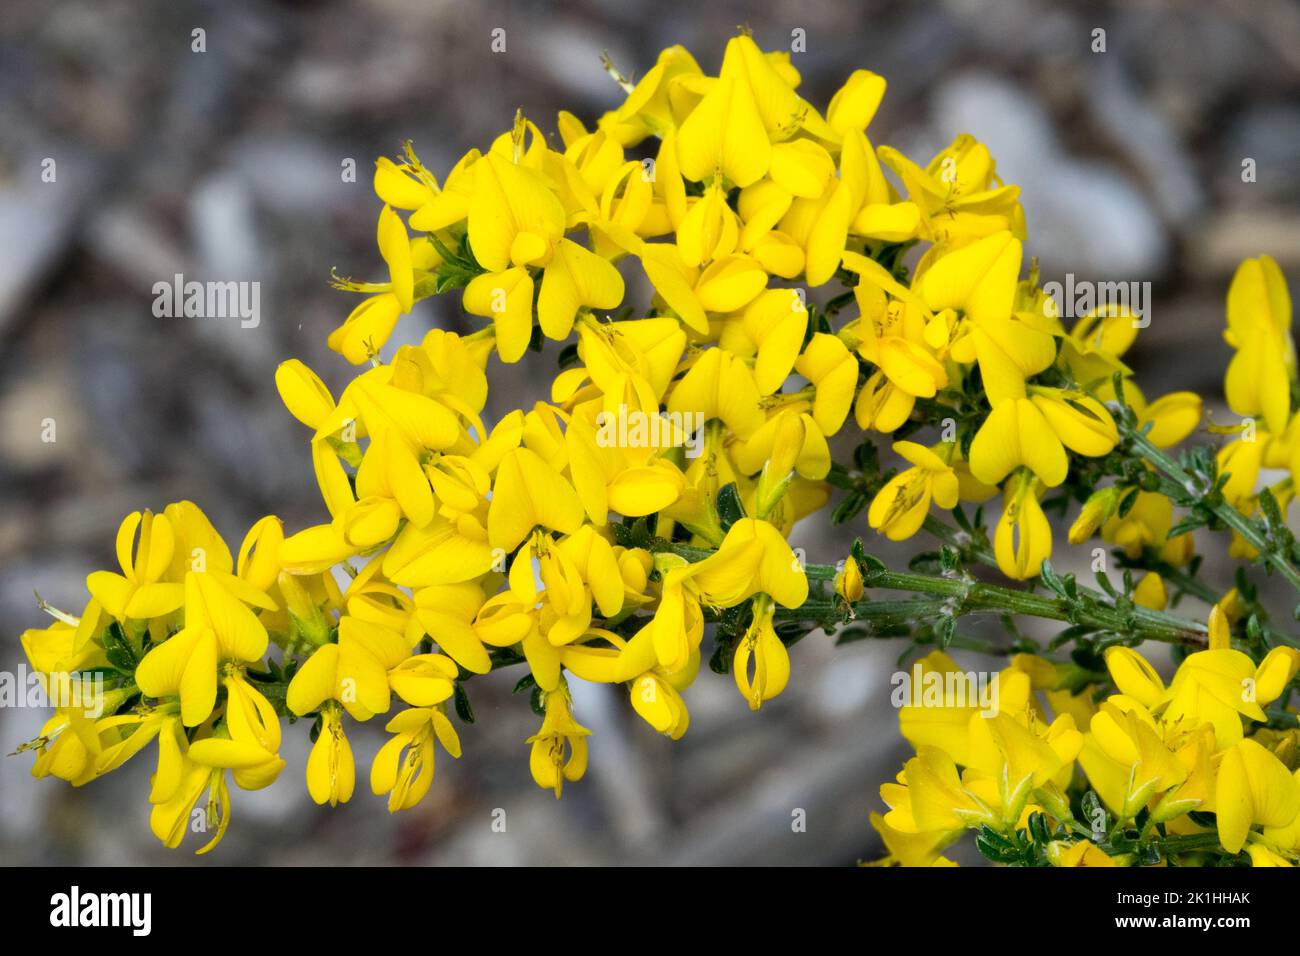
465, 623
514, 217
1220, 686
677, 627
629, 363
1282, 843
203, 766
1097, 510
559, 751
725, 285
649, 108
62, 649
1261, 855
761, 647
833, 371
69, 745
574, 572
1275, 672
1082, 853
609, 476
1195, 751
575, 279
1145, 526
1259, 327
709, 231
790, 443
909, 848
720, 387
1023, 539
1150, 592
1035, 432
138, 592
753, 558
1254, 788
775, 323
901, 506
331, 770
848, 581
403, 768
219, 626
529, 493
365, 331
892, 329
655, 690
855, 103
453, 545
959, 193
171, 818
1126, 759
725, 135
354, 671
405, 185
660, 704
979, 282
516, 223
303, 393
1171, 417
937, 797
1133, 676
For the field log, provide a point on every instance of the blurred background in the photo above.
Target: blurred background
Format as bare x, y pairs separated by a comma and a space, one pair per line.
226, 164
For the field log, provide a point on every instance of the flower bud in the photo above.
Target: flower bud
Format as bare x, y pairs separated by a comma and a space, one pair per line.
848, 583
779, 470
259, 556
1097, 510
1220, 632
1275, 672
1232, 606
854, 105
370, 521
303, 393
1134, 676
1150, 592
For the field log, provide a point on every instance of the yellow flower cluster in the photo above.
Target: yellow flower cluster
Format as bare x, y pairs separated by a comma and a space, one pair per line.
1156, 756
593, 536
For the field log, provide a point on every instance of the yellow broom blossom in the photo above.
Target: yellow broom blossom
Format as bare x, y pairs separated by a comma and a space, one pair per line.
733, 299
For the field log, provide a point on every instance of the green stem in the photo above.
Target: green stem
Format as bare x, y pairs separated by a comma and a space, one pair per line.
960, 540
966, 545
1184, 581
977, 596
958, 597
1250, 530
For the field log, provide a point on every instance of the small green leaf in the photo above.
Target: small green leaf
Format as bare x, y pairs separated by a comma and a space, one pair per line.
463, 709
730, 507
527, 682
568, 356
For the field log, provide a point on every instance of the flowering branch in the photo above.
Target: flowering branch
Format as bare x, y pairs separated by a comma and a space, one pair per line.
1195, 484
1084, 609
